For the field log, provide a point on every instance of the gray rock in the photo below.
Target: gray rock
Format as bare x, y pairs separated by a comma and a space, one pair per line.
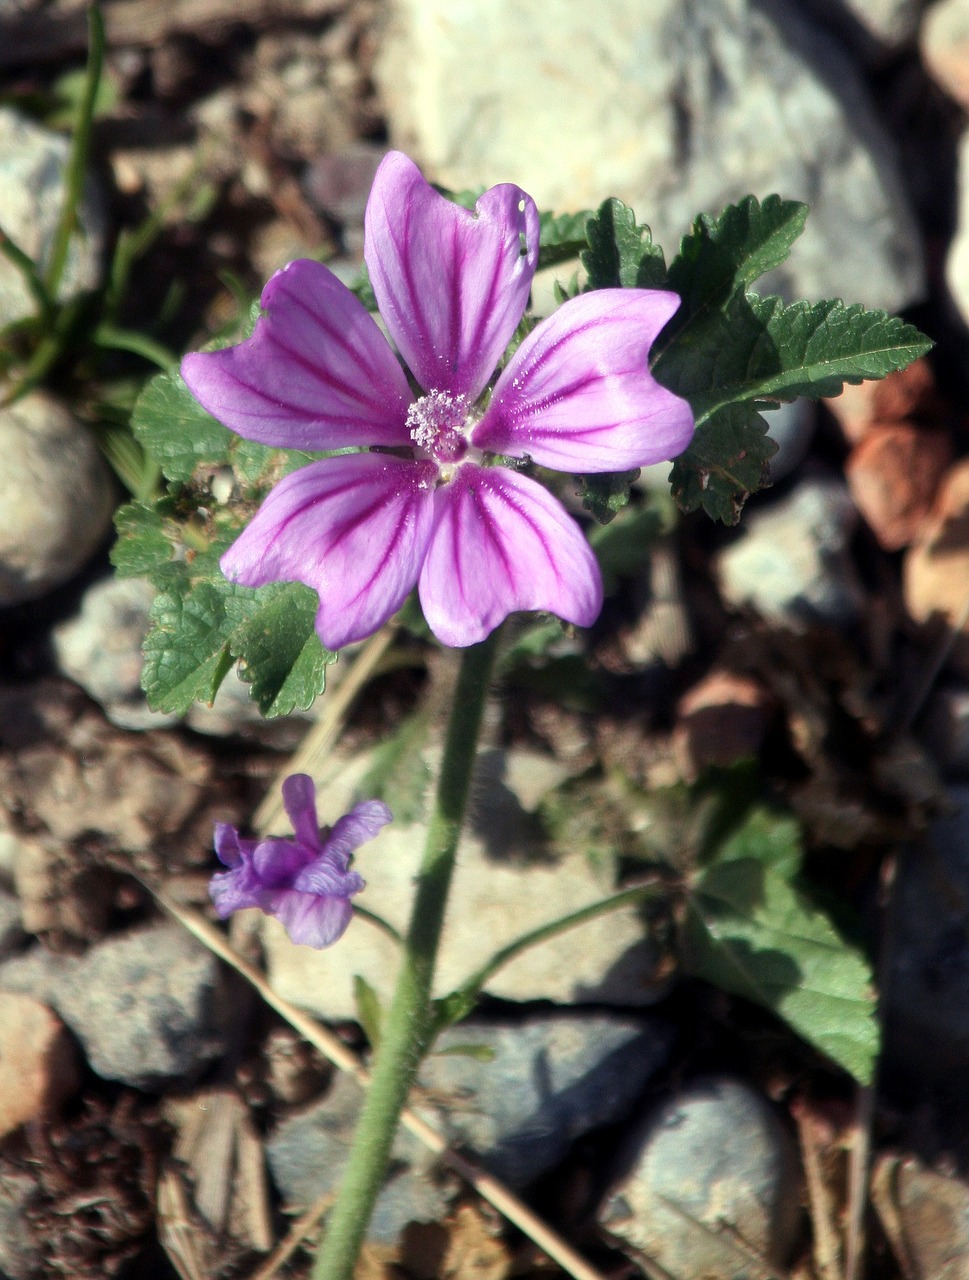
20, 1252
927, 1013
56, 496
871, 28
147, 1006
11, 926
308, 1152
676, 107
791, 427
32, 163
100, 649
551, 1081
791, 563
712, 1188
500, 892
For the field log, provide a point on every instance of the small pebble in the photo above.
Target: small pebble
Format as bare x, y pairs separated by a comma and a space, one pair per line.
39, 1067
712, 1190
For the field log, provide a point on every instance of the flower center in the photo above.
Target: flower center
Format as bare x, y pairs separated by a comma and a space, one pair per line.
437, 423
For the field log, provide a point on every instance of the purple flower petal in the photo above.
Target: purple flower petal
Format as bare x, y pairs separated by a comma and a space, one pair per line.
234, 890
362, 823
354, 528
451, 285
324, 876
309, 919
277, 862
578, 395
299, 801
317, 372
228, 846
501, 542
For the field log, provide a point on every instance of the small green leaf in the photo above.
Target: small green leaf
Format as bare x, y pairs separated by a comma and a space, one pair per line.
174, 429
751, 930
604, 495
187, 649
399, 774
281, 655
561, 238
142, 543
369, 1013
479, 1052
725, 462
621, 252
723, 255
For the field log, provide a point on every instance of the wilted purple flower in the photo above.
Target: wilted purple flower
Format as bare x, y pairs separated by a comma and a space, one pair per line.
425, 505
304, 882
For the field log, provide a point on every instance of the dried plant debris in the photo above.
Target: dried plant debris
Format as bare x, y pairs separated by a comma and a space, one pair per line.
92, 1209
88, 802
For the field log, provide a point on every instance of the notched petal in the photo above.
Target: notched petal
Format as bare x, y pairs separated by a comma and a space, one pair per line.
451, 284
500, 543
316, 373
578, 394
354, 528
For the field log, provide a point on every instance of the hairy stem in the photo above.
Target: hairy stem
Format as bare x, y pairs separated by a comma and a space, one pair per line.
408, 1022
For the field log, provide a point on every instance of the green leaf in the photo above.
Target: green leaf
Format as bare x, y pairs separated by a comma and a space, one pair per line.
751, 930
399, 774
725, 462
369, 1013
142, 543
561, 238
174, 429
282, 657
621, 252
187, 649
604, 495
723, 255
812, 350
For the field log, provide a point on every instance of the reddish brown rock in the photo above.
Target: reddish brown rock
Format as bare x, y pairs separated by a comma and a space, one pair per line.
945, 47
39, 1066
720, 720
894, 476
910, 395
935, 576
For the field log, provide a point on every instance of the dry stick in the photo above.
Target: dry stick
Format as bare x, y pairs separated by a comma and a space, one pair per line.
495, 1192
322, 738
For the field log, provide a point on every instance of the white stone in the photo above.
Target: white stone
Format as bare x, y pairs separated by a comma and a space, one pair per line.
957, 263
56, 497
32, 163
675, 107
791, 563
495, 898
944, 43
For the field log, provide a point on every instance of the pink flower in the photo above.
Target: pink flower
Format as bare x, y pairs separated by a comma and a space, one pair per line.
425, 503
305, 883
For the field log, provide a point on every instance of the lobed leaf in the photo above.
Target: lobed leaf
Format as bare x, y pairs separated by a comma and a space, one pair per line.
175, 430
621, 252
282, 658
726, 461
751, 930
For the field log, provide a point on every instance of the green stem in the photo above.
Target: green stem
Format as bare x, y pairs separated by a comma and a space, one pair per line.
77, 160
407, 1023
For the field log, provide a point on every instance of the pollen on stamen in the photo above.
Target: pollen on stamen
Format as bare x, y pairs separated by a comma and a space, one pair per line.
436, 424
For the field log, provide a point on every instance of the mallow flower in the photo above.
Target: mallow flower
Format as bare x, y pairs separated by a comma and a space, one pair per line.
305, 882
436, 495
